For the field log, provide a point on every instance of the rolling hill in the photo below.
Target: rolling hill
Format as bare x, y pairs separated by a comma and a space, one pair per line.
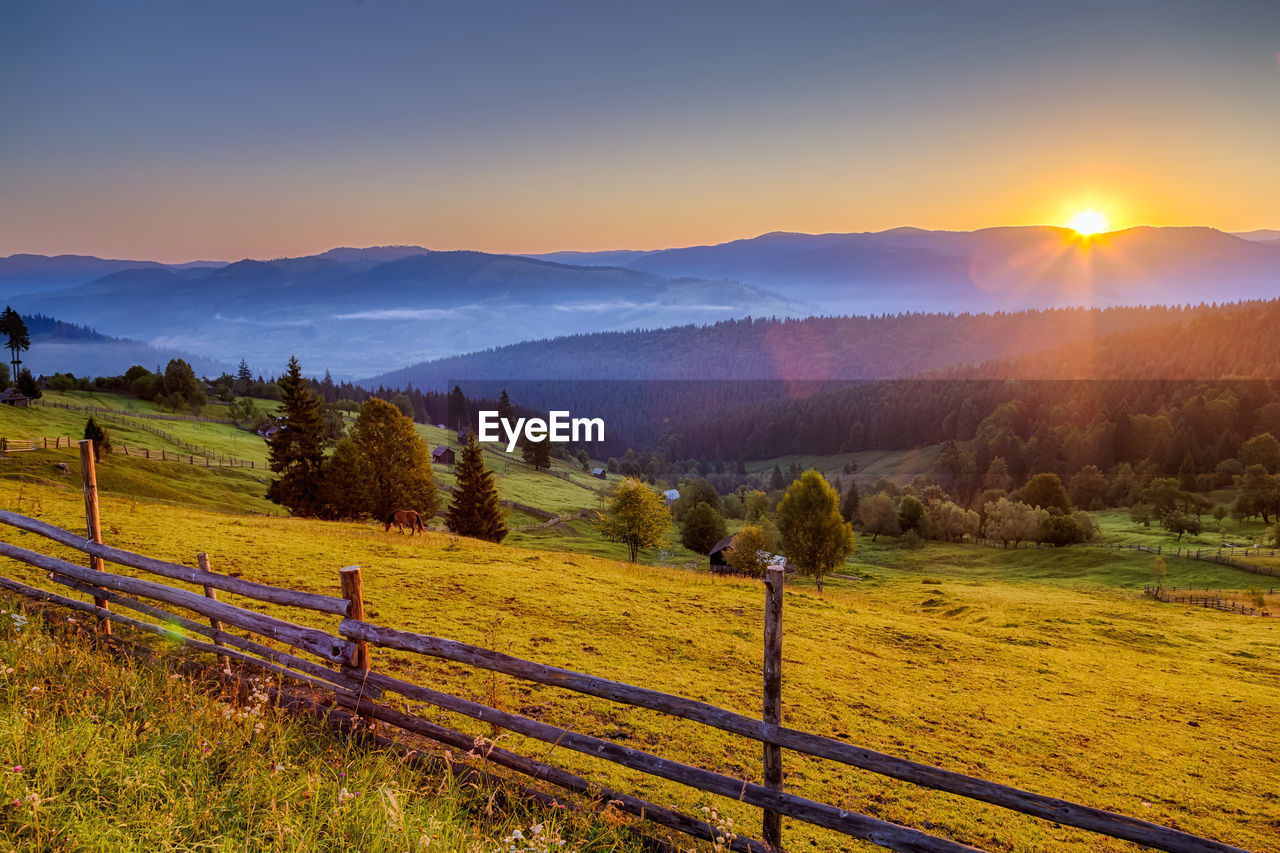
355, 312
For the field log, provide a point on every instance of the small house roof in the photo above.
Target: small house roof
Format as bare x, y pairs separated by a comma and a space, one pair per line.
671, 494
441, 450
12, 393
597, 470
721, 545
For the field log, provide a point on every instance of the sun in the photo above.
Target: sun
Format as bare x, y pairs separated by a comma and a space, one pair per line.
1089, 222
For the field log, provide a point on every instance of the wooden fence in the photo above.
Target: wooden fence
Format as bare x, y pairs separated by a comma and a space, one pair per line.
18, 445
129, 419
342, 665
153, 416
196, 455
1209, 555
1213, 602
211, 460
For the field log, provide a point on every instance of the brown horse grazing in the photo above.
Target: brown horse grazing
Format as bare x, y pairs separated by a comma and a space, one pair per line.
402, 517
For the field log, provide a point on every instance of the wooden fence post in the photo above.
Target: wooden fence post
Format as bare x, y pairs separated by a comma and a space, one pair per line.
353, 592
202, 560
92, 521
772, 830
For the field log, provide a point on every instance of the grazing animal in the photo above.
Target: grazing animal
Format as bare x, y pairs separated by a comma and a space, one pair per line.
402, 517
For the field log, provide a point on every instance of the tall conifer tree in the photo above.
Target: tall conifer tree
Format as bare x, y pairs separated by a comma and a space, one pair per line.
474, 510
296, 451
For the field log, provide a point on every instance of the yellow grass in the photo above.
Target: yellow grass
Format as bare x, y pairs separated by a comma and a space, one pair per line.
1083, 691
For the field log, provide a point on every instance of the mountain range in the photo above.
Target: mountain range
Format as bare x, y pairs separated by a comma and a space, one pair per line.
992, 269
361, 312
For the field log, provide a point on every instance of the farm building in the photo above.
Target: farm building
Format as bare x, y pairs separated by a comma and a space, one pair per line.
719, 565
442, 455
717, 553
599, 473
13, 397
671, 495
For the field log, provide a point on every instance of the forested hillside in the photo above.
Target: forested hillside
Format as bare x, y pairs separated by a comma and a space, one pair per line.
1231, 340
1175, 391
879, 347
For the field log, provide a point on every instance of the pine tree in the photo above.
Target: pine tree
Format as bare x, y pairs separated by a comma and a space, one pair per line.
505, 411
849, 506
101, 441
459, 419
28, 386
17, 339
296, 451
244, 379
474, 510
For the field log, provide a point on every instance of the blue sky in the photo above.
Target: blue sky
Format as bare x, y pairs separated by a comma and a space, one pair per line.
224, 130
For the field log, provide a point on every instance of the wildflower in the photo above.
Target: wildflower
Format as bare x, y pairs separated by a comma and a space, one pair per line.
17, 768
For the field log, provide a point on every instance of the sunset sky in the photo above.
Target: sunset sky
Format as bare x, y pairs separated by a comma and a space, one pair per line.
223, 130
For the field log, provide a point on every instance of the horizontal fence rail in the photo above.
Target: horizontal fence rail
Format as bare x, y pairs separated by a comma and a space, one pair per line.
344, 670
1212, 602
18, 445
152, 416
176, 571
1049, 808
130, 419
1208, 555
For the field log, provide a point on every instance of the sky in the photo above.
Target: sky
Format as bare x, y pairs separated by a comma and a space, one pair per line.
223, 130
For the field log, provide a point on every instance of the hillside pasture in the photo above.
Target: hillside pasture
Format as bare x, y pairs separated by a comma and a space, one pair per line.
1079, 689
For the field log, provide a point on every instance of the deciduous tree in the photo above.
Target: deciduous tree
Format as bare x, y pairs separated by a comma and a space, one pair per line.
396, 462
812, 534
634, 516
751, 551
1046, 491
1013, 521
703, 527
879, 515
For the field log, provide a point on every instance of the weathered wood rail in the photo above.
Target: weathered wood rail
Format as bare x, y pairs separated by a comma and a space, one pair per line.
343, 666
197, 456
117, 413
18, 445
1224, 556
1211, 602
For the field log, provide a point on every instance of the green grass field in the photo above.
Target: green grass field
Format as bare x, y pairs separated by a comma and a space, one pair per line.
109, 753
899, 466
1042, 669
41, 421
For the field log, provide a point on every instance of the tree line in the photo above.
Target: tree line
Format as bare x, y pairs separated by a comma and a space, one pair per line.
378, 467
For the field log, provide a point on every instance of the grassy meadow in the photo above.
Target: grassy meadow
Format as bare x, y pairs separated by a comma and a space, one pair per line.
1043, 669
108, 753
39, 421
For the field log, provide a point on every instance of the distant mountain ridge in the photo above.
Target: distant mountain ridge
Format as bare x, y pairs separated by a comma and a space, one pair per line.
1007, 268
812, 349
356, 311
360, 311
